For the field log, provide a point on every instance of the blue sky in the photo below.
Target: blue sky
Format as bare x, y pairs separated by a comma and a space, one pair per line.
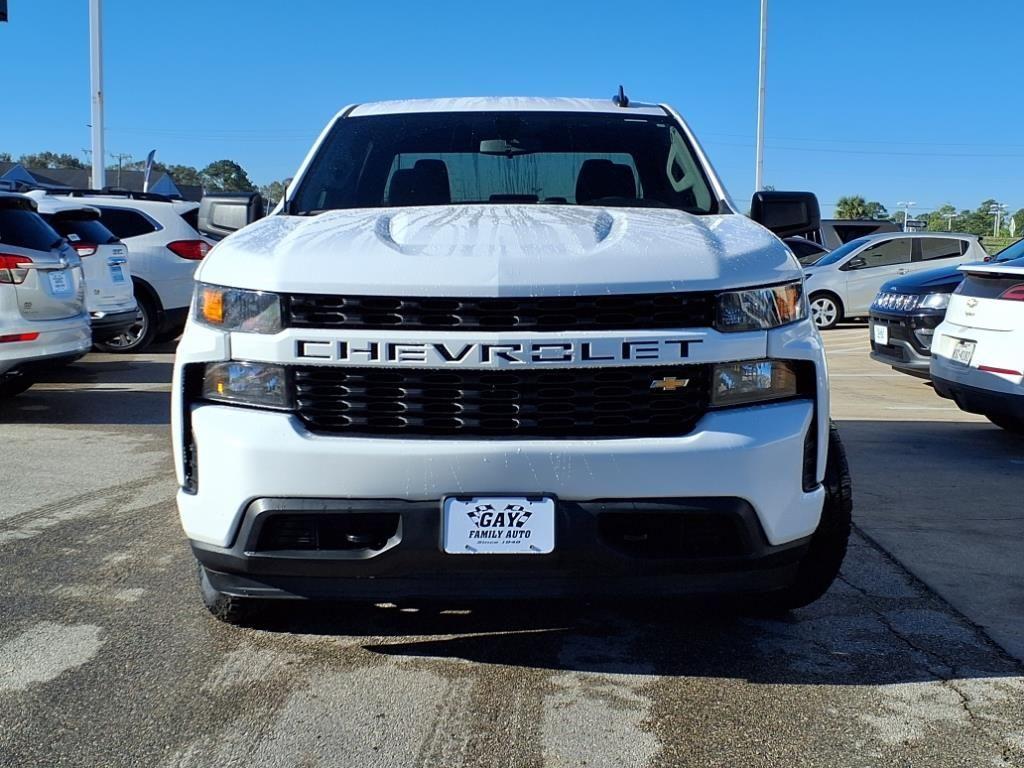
893, 101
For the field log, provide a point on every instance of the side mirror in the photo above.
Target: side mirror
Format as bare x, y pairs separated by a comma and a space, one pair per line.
226, 212
857, 262
786, 213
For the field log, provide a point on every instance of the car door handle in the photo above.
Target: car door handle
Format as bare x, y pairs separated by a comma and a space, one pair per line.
902, 271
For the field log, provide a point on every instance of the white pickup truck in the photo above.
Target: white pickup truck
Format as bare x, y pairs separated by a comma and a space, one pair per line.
508, 348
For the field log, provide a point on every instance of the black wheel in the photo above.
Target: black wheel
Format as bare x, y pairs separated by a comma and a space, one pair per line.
228, 608
820, 565
139, 336
826, 310
14, 384
1009, 423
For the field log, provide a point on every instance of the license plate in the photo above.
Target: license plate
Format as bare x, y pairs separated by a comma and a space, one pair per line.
117, 274
963, 352
881, 333
59, 282
498, 525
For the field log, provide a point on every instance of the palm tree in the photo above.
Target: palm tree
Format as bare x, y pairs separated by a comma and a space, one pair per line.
852, 207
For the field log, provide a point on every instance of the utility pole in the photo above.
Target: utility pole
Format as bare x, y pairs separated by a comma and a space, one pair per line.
99, 175
949, 221
761, 77
997, 210
906, 211
121, 158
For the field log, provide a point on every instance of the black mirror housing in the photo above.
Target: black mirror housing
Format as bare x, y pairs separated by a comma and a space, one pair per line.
222, 213
786, 213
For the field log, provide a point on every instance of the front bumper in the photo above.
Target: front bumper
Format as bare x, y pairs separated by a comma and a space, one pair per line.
905, 351
755, 454
58, 340
658, 547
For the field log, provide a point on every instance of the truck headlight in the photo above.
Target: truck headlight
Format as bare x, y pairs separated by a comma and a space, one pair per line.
759, 309
234, 309
752, 381
263, 385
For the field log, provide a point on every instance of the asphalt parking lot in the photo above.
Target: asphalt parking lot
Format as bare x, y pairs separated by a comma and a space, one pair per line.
107, 657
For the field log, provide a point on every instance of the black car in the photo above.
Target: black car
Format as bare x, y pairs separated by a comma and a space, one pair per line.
906, 312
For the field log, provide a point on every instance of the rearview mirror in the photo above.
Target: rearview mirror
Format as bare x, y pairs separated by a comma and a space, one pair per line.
226, 212
857, 262
786, 213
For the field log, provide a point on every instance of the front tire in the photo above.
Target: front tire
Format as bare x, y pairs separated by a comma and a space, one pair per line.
230, 609
1011, 424
826, 310
139, 336
820, 565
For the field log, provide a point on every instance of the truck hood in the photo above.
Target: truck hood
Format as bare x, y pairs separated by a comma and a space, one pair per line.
499, 250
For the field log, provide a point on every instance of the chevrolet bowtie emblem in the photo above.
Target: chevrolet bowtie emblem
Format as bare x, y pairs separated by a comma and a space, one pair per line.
669, 384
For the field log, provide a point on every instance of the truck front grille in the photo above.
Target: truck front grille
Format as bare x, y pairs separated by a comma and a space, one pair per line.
645, 311
562, 404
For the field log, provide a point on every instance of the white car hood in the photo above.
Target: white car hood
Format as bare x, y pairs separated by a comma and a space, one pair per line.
499, 250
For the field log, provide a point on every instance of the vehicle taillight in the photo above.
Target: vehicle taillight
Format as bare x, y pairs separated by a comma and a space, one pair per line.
18, 337
10, 269
194, 250
1013, 293
84, 249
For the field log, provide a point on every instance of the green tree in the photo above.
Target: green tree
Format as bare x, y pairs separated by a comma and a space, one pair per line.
51, 160
875, 210
226, 176
185, 174
5, 157
856, 207
273, 191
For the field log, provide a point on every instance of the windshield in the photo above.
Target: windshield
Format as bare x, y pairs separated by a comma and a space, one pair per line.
840, 253
505, 157
1012, 251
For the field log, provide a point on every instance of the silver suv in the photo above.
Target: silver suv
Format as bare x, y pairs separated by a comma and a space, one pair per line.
42, 303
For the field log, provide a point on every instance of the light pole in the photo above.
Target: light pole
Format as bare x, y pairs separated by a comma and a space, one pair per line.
761, 77
906, 211
99, 176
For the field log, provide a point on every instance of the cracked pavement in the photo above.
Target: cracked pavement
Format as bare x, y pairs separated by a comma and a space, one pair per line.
107, 657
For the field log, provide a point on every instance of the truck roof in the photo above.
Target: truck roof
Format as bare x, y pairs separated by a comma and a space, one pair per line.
503, 104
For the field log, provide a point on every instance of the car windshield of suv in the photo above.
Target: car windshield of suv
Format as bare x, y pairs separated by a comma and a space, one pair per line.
505, 157
840, 253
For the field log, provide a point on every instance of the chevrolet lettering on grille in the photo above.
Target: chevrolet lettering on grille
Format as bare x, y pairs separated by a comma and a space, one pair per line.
497, 355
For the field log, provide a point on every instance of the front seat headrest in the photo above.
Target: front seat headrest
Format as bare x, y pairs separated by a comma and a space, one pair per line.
603, 178
426, 183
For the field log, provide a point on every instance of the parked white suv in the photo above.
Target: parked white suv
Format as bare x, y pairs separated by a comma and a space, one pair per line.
42, 304
844, 283
109, 296
978, 350
164, 248
508, 348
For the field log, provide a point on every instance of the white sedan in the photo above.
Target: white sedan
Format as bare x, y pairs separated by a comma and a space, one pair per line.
978, 351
